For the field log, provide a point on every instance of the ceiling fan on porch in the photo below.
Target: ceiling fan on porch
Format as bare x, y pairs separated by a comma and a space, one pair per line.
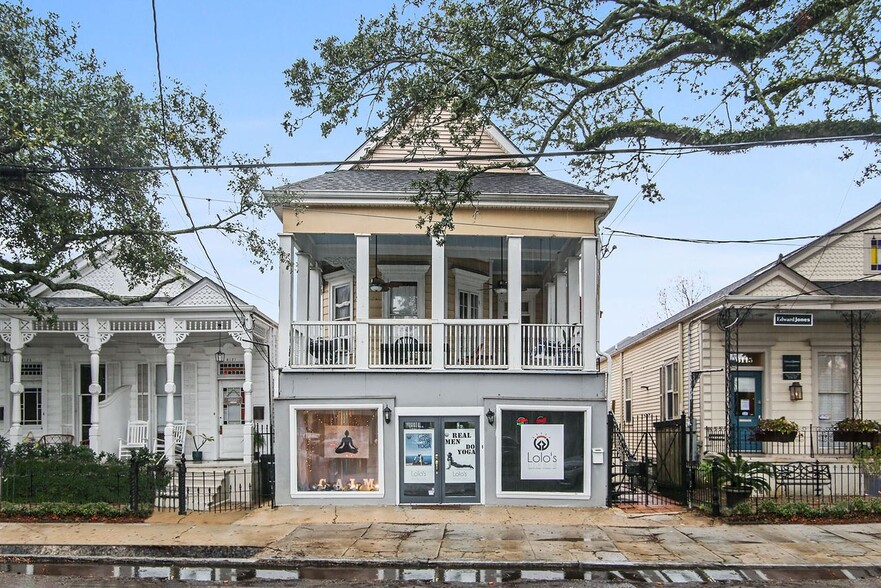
377, 284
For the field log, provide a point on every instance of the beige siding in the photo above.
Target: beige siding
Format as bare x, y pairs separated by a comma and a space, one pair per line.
485, 146
843, 259
642, 363
775, 287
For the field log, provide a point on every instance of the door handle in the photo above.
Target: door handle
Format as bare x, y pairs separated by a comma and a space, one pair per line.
220, 430
436, 470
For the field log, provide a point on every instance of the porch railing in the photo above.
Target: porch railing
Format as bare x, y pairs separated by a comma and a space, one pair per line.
330, 344
480, 344
551, 346
396, 343
810, 441
468, 344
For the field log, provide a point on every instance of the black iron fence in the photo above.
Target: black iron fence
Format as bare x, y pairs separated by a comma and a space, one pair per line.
811, 441
31, 475
812, 483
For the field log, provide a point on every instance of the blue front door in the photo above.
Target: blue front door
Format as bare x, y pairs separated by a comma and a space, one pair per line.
746, 409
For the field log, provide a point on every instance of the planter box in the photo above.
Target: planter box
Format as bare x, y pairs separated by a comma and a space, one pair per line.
734, 495
775, 436
854, 436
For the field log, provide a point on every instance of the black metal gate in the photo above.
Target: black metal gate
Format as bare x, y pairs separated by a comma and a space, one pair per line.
648, 461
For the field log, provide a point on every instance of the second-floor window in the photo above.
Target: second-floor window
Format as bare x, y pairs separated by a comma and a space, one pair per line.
469, 305
342, 302
628, 401
670, 390
403, 301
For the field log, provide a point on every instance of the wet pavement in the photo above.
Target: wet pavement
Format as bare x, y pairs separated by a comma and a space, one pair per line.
431, 537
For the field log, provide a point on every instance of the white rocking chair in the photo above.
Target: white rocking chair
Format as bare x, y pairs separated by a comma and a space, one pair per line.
135, 438
178, 433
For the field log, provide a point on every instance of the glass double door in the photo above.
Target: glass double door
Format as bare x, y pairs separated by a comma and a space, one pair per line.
439, 460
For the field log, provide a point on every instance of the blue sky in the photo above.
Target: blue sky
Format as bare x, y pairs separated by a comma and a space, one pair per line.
236, 52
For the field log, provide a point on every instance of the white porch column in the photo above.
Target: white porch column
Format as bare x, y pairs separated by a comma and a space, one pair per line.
17, 339
314, 313
573, 287
550, 302
301, 309
562, 304
170, 387
590, 312
362, 299
285, 301
515, 279
94, 337
243, 336
438, 304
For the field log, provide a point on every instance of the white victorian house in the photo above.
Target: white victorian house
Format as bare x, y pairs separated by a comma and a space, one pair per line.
194, 355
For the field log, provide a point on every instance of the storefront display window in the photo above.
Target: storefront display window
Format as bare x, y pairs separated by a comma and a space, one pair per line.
542, 451
338, 450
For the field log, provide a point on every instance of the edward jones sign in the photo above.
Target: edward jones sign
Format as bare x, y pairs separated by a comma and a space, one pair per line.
791, 319
541, 452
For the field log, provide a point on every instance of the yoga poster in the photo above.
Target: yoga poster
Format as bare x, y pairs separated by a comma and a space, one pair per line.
460, 449
418, 456
346, 441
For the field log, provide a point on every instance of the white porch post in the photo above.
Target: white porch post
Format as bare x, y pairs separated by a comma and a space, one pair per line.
438, 304
590, 313
362, 299
170, 388
550, 302
17, 339
573, 287
314, 313
243, 336
94, 341
285, 301
301, 310
561, 317
515, 279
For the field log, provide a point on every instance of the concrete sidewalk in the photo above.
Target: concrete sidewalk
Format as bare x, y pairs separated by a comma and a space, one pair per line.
527, 536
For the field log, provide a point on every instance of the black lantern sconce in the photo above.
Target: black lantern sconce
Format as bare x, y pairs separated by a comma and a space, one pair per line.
387, 414
220, 356
490, 417
795, 391
5, 356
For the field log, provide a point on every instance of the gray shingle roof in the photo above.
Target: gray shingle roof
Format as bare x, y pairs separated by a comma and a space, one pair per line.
859, 288
91, 302
400, 181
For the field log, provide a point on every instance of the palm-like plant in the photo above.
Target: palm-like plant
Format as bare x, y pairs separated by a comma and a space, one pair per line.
740, 473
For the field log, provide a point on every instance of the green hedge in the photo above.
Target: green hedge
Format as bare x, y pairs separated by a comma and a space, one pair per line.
69, 512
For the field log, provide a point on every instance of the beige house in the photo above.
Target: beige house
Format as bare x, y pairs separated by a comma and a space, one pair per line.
414, 371
799, 338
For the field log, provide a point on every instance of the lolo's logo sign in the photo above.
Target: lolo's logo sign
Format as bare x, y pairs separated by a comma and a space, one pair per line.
541, 452
541, 442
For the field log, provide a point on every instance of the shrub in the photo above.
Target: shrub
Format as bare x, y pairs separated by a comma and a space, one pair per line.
780, 425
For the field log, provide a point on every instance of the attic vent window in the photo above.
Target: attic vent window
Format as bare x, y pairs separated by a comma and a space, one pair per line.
873, 256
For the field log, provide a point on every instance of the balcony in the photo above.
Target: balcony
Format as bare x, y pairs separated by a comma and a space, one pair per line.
476, 302
466, 344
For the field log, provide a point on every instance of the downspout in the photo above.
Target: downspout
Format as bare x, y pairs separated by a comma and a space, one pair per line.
608, 375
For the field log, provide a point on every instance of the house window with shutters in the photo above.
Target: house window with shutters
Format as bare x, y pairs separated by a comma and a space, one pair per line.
143, 392
670, 408
833, 388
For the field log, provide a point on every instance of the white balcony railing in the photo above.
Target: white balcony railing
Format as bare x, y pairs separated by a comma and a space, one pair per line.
330, 344
468, 344
480, 344
551, 347
400, 343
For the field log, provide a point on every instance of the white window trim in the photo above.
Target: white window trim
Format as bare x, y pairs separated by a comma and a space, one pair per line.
380, 450
627, 397
672, 389
588, 425
335, 280
405, 273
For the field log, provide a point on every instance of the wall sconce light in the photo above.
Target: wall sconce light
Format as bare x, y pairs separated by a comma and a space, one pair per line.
5, 356
795, 391
387, 414
490, 417
220, 356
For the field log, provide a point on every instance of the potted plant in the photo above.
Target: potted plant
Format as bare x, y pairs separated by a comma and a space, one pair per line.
199, 442
776, 430
869, 462
851, 430
739, 478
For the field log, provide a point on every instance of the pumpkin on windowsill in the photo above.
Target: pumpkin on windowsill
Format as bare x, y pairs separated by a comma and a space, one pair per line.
851, 430
776, 431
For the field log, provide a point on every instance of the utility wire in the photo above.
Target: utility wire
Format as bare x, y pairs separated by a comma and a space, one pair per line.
660, 150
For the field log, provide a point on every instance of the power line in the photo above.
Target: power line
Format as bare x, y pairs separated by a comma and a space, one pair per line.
670, 151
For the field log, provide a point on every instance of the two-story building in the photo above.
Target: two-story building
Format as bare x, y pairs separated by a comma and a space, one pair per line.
422, 372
